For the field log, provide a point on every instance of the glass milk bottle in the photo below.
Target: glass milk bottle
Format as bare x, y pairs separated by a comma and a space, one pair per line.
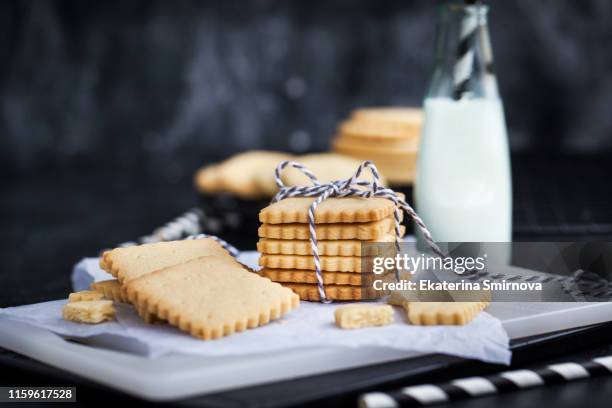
463, 183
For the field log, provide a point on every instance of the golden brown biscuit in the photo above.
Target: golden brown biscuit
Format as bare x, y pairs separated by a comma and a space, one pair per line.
390, 114
339, 247
110, 289
332, 210
309, 276
437, 313
363, 315
239, 174
131, 262
210, 297
405, 148
91, 312
352, 264
310, 292
444, 313
326, 167
208, 180
399, 169
366, 231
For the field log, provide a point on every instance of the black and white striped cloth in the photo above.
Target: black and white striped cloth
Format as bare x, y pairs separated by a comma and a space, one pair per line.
429, 394
351, 187
185, 226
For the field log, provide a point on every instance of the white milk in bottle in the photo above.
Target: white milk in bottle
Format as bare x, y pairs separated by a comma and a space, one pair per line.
463, 183
463, 189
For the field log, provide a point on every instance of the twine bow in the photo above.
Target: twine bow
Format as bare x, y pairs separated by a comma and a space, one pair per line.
351, 187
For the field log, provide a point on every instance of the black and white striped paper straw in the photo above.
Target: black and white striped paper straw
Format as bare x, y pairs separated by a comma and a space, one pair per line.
462, 71
233, 251
185, 226
188, 223
429, 394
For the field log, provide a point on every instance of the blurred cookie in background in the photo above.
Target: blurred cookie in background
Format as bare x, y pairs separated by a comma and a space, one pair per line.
248, 175
387, 136
234, 191
326, 167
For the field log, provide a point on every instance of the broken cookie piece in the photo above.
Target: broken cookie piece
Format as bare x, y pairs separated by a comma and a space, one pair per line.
363, 315
92, 312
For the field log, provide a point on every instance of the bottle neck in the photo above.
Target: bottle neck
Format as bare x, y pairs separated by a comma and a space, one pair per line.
463, 56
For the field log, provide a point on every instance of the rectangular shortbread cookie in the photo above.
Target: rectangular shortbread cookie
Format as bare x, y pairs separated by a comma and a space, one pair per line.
339, 247
436, 313
373, 230
131, 262
332, 210
210, 297
328, 263
308, 291
309, 276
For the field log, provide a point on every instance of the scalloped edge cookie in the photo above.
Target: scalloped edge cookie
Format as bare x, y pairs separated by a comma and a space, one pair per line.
338, 247
210, 297
365, 231
332, 210
110, 289
310, 292
308, 276
436, 313
131, 262
351, 264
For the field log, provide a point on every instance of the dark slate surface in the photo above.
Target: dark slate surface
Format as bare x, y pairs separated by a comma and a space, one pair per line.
165, 85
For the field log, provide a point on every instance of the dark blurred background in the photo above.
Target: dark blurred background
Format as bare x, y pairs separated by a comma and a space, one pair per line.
107, 109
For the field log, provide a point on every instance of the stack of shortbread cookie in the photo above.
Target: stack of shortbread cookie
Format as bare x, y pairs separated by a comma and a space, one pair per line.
387, 136
195, 285
343, 225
